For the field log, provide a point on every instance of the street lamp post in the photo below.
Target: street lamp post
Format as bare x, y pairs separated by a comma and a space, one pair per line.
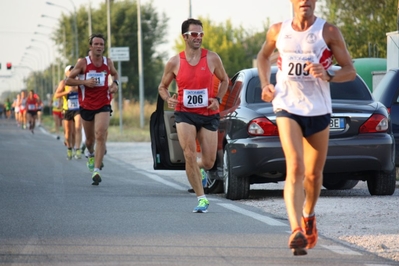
74, 25
49, 60
42, 64
63, 34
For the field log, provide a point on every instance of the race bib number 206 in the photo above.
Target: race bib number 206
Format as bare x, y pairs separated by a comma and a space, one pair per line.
195, 98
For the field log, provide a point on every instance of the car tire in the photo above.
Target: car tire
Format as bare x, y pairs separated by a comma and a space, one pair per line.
215, 186
381, 183
338, 184
235, 187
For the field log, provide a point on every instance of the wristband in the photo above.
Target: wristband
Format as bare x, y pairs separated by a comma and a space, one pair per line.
116, 82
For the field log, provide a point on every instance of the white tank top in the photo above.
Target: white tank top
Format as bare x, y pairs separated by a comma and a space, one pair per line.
297, 91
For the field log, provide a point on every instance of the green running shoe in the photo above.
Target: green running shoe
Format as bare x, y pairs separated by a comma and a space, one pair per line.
78, 154
69, 154
204, 177
90, 163
202, 206
96, 178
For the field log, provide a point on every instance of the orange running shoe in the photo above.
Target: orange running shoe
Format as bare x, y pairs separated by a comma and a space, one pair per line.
309, 226
298, 242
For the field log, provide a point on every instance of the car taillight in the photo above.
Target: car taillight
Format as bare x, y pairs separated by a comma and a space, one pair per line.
262, 127
376, 123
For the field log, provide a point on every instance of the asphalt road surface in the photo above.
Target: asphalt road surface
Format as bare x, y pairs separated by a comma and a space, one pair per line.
50, 214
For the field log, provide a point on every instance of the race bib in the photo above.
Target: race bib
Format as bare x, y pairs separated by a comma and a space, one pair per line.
73, 102
57, 104
293, 66
31, 107
99, 77
195, 98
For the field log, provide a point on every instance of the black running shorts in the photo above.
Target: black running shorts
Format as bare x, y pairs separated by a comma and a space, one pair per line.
309, 124
210, 122
88, 115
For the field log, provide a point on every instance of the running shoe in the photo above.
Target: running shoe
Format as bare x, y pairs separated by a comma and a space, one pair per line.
90, 163
83, 148
202, 207
204, 177
78, 154
309, 226
96, 178
102, 165
298, 242
69, 154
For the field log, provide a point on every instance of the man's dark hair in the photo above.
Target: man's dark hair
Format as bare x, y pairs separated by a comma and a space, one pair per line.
96, 35
186, 24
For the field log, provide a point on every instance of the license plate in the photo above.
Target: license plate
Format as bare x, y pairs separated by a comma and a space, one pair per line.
337, 123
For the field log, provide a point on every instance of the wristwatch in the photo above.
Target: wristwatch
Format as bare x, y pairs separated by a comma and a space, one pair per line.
331, 74
116, 82
219, 100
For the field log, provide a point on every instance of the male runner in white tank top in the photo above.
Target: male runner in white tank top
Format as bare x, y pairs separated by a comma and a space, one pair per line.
302, 103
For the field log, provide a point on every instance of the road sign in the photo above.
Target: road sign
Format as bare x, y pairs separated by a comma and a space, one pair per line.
120, 54
124, 79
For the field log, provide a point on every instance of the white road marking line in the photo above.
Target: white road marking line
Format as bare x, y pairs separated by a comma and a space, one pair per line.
341, 250
377, 264
163, 181
254, 215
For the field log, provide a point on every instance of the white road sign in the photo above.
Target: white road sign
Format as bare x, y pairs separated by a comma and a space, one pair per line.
120, 54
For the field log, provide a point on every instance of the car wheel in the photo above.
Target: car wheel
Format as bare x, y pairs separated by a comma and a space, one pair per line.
215, 186
235, 187
381, 183
337, 184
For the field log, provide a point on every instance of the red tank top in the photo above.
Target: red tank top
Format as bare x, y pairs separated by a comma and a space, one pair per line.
195, 86
98, 96
32, 104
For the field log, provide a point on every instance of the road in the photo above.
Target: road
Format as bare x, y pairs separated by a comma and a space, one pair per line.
51, 214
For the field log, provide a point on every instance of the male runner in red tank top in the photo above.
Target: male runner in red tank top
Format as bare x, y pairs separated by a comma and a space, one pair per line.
196, 106
95, 100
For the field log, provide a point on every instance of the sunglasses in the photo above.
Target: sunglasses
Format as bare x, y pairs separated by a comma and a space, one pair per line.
194, 34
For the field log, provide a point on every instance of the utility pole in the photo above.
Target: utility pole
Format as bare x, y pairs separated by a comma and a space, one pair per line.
109, 25
140, 56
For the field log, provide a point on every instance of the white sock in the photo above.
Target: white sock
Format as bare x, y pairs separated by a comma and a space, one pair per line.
96, 170
307, 215
201, 197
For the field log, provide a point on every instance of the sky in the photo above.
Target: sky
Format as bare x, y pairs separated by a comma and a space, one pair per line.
20, 20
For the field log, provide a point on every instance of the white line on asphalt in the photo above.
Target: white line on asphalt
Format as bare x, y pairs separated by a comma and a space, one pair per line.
341, 250
377, 264
254, 215
163, 181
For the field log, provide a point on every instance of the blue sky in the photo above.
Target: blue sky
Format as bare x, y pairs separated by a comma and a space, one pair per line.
19, 20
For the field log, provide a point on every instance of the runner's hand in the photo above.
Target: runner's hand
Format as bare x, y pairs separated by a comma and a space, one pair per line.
90, 82
268, 93
172, 101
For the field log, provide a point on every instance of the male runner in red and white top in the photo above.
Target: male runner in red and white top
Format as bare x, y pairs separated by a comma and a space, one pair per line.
197, 106
95, 100
32, 107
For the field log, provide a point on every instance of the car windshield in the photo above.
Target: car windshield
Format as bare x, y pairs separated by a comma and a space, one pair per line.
352, 90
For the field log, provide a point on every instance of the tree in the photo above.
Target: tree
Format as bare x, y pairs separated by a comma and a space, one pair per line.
363, 24
123, 34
